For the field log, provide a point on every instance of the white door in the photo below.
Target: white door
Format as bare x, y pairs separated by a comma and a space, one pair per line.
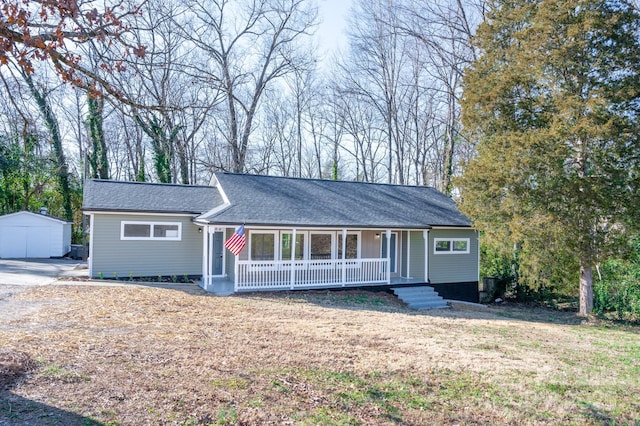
38, 241
14, 242
24, 241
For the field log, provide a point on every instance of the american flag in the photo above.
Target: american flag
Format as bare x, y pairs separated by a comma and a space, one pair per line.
236, 242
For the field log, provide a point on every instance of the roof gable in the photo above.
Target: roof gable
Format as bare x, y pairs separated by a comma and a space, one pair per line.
121, 196
269, 200
33, 216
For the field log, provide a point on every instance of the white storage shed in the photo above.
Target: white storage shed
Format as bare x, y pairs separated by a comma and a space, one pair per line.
31, 235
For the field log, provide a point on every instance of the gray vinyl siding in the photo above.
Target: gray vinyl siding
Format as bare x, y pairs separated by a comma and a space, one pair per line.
453, 268
370, 247
416, 255
144, 258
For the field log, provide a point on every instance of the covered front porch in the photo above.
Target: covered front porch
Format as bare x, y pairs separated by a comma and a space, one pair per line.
310, 258
226, 287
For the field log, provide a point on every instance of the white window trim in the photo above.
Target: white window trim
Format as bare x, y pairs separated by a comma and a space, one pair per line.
276, 244
451, 241
151, 224
305, 246
333, 243
351, 262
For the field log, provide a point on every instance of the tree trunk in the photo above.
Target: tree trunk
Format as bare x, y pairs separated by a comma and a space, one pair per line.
98, 155
586, 287
449, 147
51, 122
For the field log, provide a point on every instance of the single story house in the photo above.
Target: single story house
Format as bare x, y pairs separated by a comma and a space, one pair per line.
299, 234
34, 235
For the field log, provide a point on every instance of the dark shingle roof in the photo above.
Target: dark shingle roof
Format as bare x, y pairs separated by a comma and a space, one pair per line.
268, 200
108, 195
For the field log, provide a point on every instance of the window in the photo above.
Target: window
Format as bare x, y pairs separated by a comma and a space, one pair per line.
443, 245
263, 245
353, 246
167, 231
285, 246
321, 245
451, 245
461, 245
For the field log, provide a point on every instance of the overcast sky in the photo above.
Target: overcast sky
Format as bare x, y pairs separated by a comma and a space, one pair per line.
331, 32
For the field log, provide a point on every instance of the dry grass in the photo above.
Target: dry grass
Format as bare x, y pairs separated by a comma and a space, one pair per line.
132, 355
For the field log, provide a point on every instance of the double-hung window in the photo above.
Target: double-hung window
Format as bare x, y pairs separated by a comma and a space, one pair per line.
138, 230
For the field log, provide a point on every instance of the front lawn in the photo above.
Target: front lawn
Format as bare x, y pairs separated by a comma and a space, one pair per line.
136, 355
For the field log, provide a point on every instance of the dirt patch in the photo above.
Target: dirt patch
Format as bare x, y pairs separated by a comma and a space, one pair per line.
13, 365
11, 309
138, 355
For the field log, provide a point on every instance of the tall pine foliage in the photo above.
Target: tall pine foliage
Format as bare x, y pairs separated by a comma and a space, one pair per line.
553, 105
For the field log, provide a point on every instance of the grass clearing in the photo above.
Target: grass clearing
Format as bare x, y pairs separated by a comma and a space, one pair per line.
132, 355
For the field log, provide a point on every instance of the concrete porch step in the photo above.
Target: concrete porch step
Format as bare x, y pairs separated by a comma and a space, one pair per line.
420, 297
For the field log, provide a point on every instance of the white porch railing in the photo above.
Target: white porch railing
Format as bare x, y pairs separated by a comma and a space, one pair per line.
264, 275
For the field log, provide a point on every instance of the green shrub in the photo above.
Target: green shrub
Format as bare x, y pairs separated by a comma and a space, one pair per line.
499, 265
618, 289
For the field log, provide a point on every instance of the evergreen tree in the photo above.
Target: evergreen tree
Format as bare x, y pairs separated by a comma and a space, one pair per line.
553, 103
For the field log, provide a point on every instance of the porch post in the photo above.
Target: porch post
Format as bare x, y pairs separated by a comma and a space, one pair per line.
425, 235
407, 255
388, 234
236, 267
344, 257
211, 251
205, 263
293, 259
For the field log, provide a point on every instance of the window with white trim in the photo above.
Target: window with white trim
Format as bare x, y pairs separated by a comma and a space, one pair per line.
262, 245
321, 245
352, 246
138, 230
451, 245
286, 239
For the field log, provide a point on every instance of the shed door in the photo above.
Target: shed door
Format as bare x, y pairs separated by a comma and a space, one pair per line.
24, 241
218, 250
38, 241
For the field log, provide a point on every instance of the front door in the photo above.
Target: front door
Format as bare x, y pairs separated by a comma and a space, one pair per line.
218, 250
394, 246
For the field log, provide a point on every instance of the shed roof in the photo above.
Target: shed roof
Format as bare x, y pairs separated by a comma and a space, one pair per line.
108, 195
35, 215
274, 201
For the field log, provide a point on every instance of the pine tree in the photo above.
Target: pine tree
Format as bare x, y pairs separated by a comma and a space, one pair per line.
553, 103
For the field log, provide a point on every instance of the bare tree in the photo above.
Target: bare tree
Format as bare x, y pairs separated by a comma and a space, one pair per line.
445, 29
406, 61
373, 72
248, 45
177, 103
